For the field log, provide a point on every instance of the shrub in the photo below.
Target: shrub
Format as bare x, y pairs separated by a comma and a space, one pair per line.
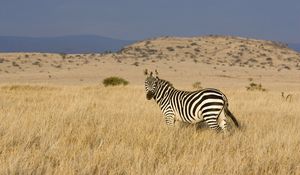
63, 55
170, 49
254, 86
15, 64
197, 85
147, 43
180, 47
136, 63
197, 50
114, 81
36, 63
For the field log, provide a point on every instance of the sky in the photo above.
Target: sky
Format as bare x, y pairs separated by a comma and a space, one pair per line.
277, 20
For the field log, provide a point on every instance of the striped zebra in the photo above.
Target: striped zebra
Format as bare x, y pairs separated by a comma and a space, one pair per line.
208, 105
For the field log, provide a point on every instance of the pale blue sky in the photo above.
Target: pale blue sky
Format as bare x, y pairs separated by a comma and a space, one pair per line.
139, 19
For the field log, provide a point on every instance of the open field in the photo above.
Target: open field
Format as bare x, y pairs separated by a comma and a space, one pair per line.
97, 130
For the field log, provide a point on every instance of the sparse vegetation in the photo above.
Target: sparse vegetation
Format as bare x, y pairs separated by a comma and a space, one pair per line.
58, 66
194, 44
36, 63
171, 49
255, 87
180, 47
63, 55
15, 64
287, 97
197, 85
197, 50
114, 81
136, 63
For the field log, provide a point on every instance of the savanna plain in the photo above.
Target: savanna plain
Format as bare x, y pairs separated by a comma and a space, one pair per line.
62, 120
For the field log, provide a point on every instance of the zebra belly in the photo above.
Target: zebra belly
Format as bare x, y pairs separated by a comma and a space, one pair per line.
195, 119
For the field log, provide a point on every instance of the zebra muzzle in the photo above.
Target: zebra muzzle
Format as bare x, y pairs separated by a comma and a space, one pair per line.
149, 95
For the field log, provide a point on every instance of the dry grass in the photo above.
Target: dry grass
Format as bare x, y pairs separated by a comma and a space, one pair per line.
96, 130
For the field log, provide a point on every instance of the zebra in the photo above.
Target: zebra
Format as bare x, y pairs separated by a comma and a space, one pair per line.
208, 105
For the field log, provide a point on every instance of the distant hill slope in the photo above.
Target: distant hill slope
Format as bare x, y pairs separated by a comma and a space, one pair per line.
216, 50
63, 44
171, 53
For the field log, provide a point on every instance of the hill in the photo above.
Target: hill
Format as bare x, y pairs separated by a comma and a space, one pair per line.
63, 44
217, 50
216, 61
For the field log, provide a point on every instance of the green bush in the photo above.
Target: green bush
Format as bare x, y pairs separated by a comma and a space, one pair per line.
114, 81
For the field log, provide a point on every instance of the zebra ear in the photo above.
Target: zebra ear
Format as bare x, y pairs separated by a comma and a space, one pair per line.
146, 72
156, 73
151, 73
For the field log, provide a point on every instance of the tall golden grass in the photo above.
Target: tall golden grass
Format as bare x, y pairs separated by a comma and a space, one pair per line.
115, 130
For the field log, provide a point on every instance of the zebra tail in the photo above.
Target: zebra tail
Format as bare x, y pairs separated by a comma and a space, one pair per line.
228, 113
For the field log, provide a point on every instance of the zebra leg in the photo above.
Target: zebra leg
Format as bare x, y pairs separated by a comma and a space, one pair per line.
201, 124
222, 121
170, 120
212, 122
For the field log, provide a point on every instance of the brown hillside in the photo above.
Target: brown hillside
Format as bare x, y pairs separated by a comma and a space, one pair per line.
217, 50
216, 61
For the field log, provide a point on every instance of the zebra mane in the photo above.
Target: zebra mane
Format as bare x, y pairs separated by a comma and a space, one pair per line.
161, 81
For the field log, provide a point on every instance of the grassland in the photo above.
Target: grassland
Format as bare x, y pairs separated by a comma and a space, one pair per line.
115, 130
56, 118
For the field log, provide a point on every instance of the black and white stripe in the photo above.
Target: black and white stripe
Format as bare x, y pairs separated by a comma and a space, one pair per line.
209, 105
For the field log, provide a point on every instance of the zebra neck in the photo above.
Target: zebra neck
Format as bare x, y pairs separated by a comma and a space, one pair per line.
163, 93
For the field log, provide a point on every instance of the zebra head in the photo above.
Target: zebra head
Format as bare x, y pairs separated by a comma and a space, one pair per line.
150, 85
